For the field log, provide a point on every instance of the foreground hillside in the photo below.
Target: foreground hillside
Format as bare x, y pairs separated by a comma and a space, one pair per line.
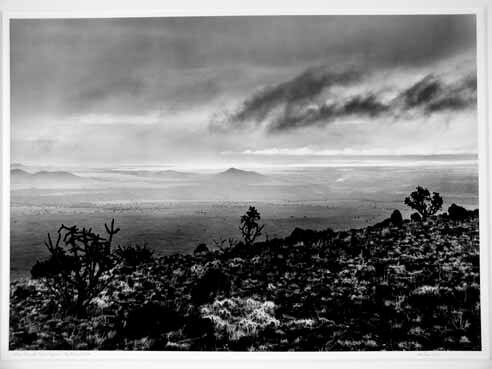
408, 286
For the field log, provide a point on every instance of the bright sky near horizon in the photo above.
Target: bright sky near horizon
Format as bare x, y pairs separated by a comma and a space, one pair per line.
228, 90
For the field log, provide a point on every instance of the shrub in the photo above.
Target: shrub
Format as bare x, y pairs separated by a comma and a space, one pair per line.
151, 319
306, 236
134, 255
396, 218
458, 212
422, 201
211, 282
201, 249
250, 229
77, 261
415, 217
24, 291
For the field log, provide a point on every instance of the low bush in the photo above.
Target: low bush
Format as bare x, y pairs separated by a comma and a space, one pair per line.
211, 282
457, 212
134, 255
201, 249
151, 319
396, 217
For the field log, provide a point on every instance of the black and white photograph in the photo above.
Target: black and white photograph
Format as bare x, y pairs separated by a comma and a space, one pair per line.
245, 183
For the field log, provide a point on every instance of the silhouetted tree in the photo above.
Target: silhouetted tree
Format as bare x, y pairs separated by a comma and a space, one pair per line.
77, 261
250, 229
422, 201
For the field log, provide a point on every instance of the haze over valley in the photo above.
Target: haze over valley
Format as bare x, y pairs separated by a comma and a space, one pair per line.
174, 210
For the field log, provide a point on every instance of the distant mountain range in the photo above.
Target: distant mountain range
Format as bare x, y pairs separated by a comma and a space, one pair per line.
233, 174
45, 178
58, 179
155, 174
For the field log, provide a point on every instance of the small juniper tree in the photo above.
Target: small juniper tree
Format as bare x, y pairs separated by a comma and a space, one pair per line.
425, 203
250, 229
77, 261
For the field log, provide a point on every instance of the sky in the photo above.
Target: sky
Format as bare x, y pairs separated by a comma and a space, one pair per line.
218, 91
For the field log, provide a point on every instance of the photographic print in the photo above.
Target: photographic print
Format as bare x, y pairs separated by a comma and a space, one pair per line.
244, 183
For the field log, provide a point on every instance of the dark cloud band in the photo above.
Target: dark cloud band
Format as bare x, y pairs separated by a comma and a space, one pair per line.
293, 93
295, 104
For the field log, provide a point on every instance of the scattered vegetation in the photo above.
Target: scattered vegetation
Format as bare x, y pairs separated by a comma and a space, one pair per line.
422, 201
397, 285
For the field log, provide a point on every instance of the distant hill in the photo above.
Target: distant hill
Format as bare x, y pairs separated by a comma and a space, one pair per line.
238, 173
18, 166
19, 173
45, 178
155, 174
237, 176
58, 175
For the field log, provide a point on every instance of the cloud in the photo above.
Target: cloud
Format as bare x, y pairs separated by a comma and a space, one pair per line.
355, 106
117, 119
299, 90
309, 151
131, 83
309, 100
433, 95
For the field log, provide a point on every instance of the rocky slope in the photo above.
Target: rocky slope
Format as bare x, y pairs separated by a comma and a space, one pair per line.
409, 286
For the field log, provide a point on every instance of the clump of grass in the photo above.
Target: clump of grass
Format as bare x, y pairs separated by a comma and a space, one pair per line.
235, 318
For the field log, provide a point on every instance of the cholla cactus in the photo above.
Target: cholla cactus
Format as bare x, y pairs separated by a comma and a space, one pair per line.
74, 271
250, 229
